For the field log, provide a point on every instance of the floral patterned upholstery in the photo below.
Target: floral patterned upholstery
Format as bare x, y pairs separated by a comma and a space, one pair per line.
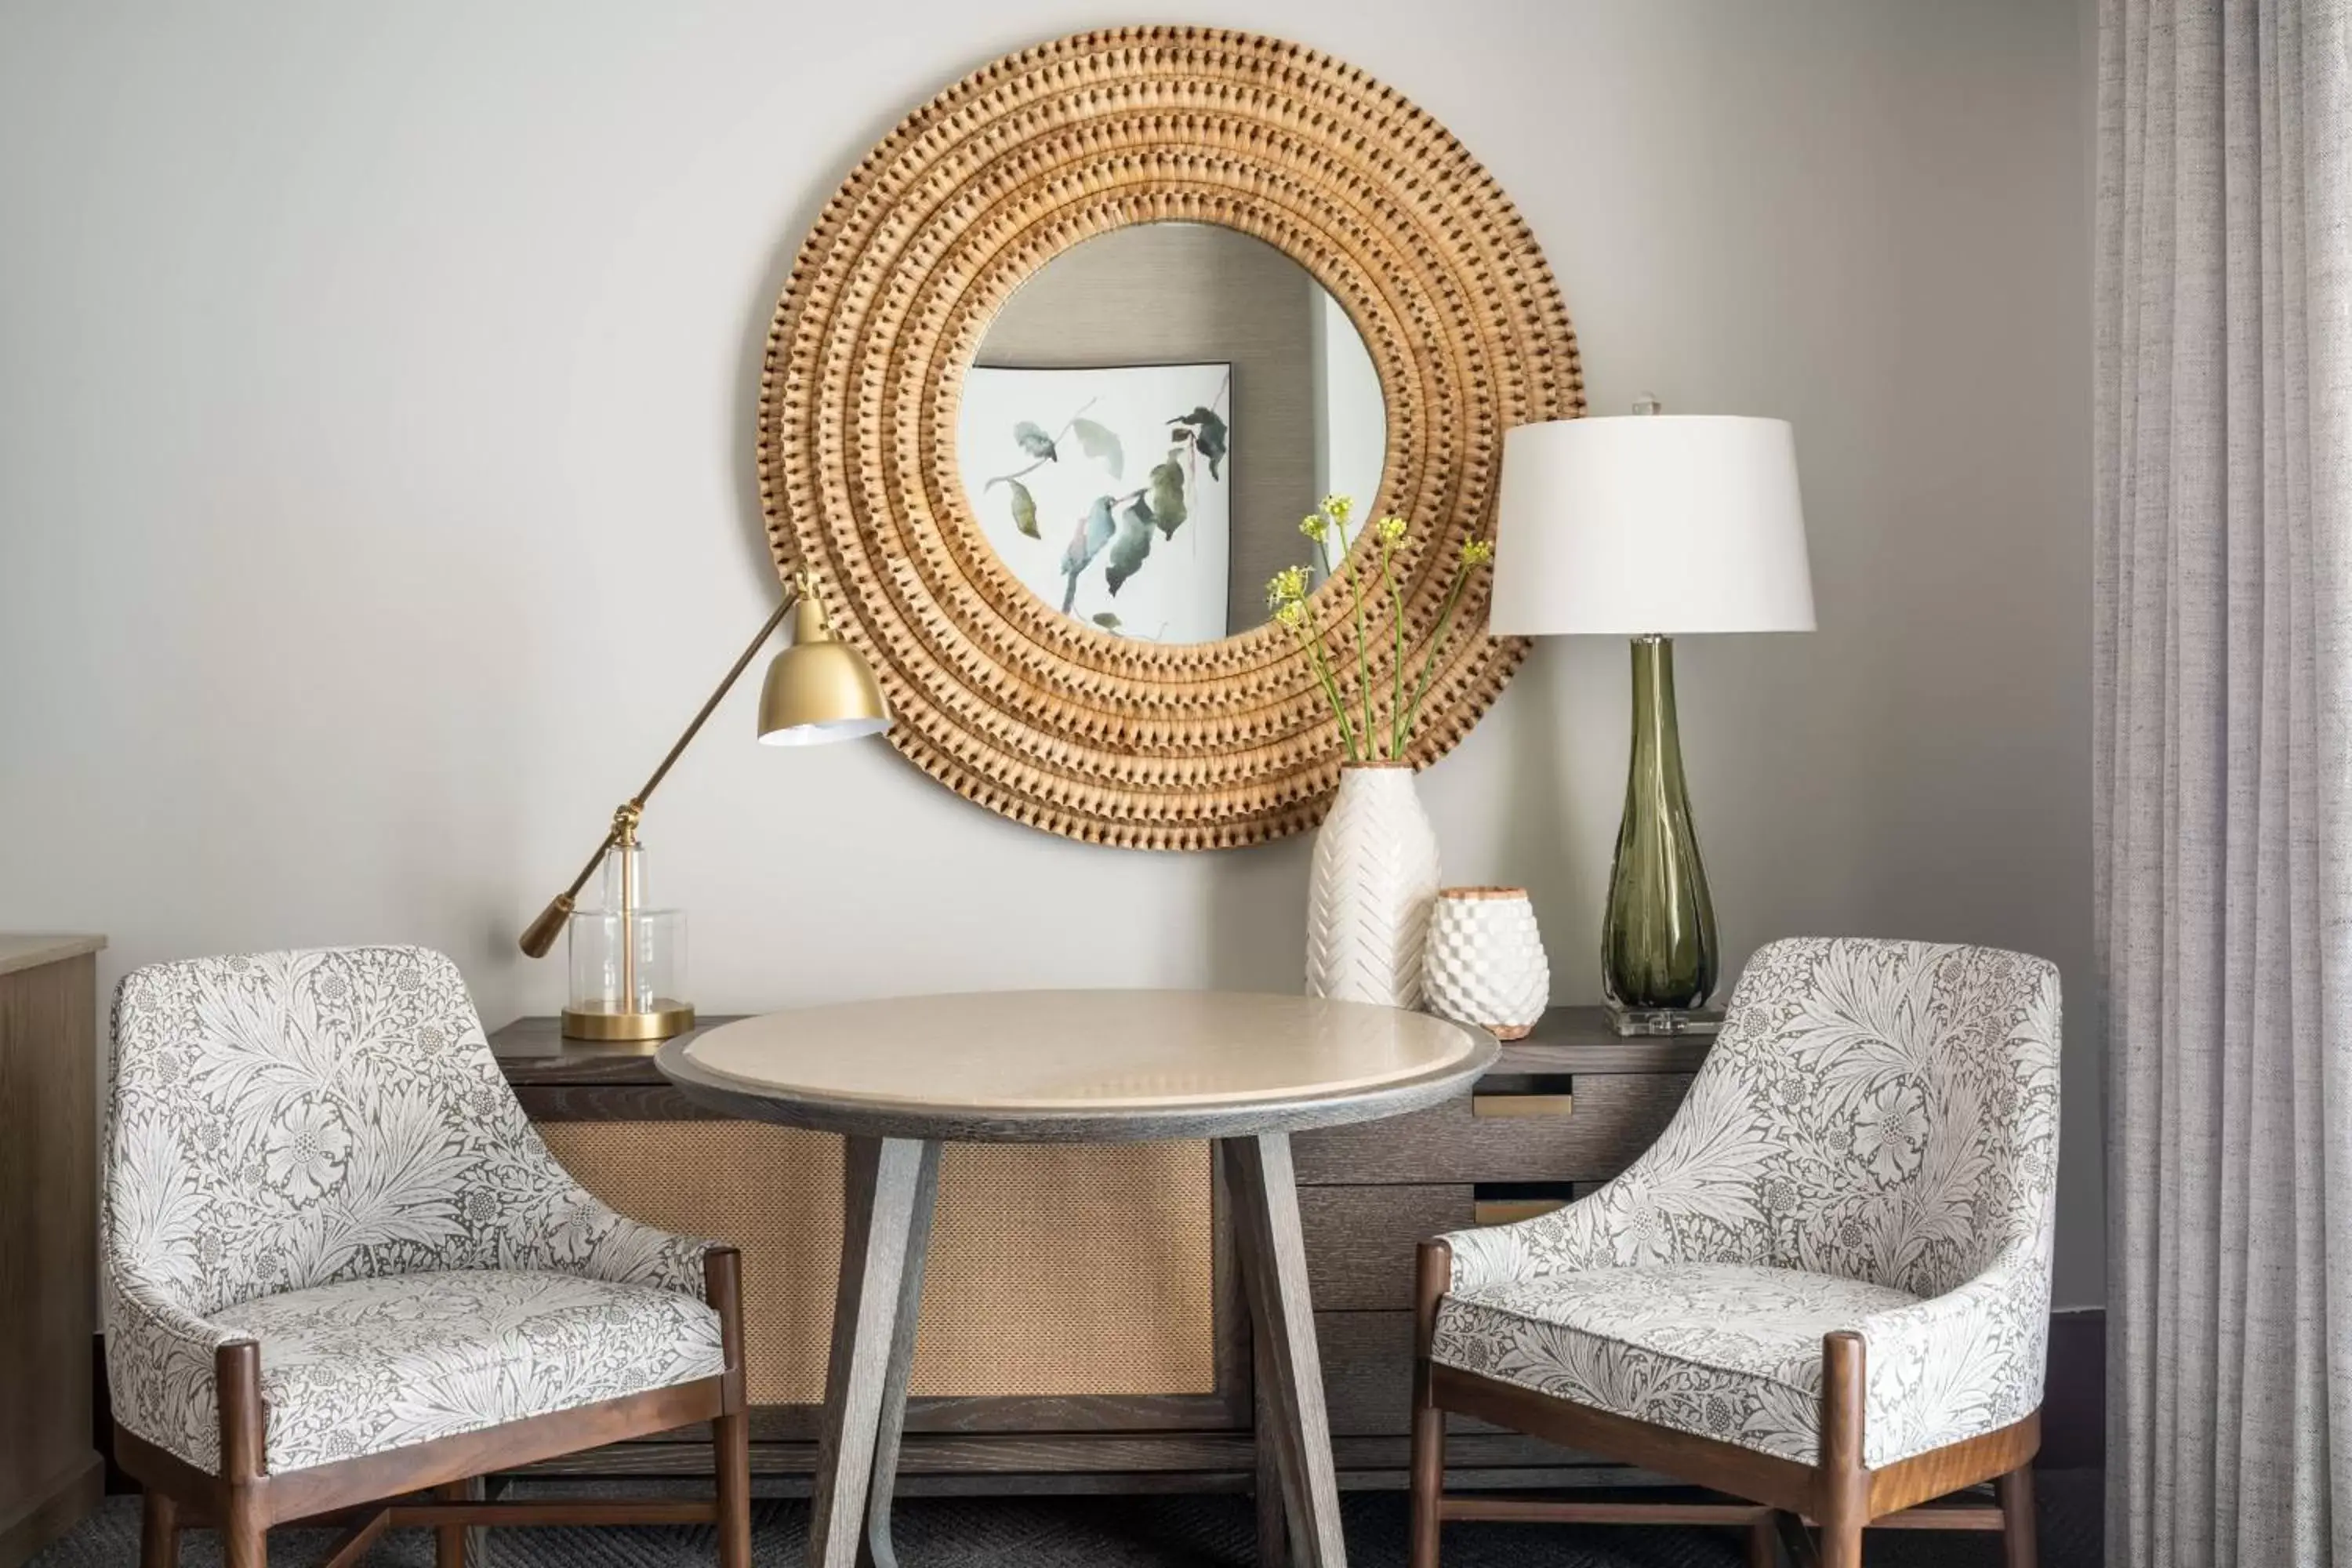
1872, 1145
376, 1363
316, 1151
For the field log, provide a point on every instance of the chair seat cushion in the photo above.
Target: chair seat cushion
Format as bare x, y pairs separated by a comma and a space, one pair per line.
372, 1364
1726, 1351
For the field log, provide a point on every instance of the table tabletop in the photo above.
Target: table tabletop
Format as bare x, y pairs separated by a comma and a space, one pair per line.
1078, 1065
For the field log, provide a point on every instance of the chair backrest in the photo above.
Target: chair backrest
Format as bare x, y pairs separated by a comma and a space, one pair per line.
288, 1119
1885, 1111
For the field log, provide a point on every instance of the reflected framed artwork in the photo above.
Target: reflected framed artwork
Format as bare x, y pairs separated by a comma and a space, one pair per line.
1109, 491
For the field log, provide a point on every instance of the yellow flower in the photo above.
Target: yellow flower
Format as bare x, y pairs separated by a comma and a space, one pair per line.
1337, 508
1291, 614
1478, 551
1313, 526
1391, 529
1286, 587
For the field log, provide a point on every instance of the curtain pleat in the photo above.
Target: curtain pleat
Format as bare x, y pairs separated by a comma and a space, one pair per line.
2222, 674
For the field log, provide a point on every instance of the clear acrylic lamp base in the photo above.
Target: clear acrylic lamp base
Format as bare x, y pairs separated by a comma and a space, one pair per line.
1632, 1021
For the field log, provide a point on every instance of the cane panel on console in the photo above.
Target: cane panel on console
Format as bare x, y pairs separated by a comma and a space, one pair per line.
1053, 1269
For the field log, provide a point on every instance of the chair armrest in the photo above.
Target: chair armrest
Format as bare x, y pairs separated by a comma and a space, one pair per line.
546, 1220
159, 1370
570, 1230
628, 1252
1691, 1197
1586, 1233
1960, 1364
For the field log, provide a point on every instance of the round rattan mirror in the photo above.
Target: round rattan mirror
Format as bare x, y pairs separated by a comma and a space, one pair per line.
1071, 723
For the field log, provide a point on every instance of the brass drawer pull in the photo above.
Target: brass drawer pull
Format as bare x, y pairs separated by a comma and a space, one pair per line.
1521, 1105
1510, 1211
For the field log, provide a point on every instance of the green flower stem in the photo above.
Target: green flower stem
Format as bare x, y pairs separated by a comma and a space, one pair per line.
1436, 644
1396, 670
1323, 555
1363, 638
1315, 658
1319, 656
1350, 580
1364, 739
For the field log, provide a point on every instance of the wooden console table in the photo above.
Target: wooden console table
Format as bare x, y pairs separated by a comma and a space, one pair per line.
49, 1472
1556, 1114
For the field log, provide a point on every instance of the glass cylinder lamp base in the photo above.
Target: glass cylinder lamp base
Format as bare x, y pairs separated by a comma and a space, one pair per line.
1633, 1021
629, 964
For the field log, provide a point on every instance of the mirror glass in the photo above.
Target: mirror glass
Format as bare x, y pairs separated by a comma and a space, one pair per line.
1149, 417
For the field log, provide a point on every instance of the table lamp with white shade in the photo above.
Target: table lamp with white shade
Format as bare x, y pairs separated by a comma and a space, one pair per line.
1652, 527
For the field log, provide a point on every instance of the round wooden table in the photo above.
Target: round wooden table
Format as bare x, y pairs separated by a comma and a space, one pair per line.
900, 1077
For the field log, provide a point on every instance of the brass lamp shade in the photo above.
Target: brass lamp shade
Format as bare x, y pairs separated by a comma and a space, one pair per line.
820, 689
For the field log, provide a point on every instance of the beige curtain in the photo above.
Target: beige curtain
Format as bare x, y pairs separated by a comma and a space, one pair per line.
2223, 809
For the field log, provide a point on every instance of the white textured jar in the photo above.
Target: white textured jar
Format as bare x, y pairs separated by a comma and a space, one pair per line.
1485, 962
1368, 898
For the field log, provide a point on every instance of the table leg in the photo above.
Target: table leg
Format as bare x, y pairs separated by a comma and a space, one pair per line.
1264, 1195
882, 1181
1273, 1511
879, 1552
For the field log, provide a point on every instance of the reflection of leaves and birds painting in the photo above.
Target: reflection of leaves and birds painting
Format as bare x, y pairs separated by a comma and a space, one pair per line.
1108, 492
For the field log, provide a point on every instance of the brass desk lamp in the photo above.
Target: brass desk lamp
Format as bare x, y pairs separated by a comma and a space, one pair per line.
627, 959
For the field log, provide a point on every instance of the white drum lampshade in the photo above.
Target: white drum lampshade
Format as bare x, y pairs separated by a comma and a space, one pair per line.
1659, 524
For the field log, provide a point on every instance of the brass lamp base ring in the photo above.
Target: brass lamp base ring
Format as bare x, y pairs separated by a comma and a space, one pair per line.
664, 1018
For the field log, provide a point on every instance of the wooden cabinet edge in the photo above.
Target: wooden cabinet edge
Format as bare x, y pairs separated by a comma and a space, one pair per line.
49, 1130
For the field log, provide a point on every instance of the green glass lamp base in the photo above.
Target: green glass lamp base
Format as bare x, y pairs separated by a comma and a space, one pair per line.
1658, 949
1631, 1022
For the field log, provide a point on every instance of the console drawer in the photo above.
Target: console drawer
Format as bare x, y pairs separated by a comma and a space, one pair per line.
1360, 1241
1368, 1374
1588, 1134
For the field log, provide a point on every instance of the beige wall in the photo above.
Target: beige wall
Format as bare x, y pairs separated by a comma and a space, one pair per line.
376, 489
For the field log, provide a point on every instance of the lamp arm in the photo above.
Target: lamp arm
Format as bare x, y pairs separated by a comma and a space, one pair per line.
726, 684
539, 935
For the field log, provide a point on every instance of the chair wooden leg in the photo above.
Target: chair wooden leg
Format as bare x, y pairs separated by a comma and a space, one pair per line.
730, 1433
1764, 1542
244, 1534
2015, 1491
1434, 1272
449, 1541
236, 1383
730, 1436
159, 1531
1428, 1482
1844, 1486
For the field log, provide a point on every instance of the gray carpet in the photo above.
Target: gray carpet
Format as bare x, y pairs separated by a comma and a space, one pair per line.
1123, 1532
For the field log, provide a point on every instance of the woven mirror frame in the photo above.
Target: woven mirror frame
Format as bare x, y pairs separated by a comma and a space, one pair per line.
1039, 716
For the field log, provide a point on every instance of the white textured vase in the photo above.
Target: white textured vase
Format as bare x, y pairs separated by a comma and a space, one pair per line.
1486, 962
1369, 899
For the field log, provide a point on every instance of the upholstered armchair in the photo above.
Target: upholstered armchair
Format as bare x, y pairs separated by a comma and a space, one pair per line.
1825, 1289
341, 1267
